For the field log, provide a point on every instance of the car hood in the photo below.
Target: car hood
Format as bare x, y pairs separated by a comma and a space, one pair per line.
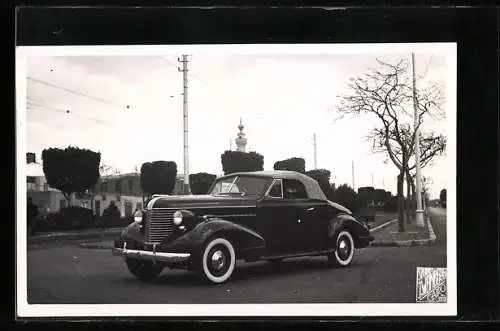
188, 201
339, 207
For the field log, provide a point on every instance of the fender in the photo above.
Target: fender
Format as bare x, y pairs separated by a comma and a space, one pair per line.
344, 221
243, 237
132, 232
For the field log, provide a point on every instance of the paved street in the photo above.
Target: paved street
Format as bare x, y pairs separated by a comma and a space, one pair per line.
68, 274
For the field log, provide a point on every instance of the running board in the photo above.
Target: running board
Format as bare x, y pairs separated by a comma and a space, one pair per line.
284, 256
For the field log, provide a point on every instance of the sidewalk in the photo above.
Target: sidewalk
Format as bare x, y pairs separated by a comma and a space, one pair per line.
388, 234
74, 235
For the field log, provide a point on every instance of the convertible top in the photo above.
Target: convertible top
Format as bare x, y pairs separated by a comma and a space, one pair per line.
312, 187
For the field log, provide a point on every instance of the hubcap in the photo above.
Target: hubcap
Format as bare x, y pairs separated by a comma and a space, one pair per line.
218, 260
344, 248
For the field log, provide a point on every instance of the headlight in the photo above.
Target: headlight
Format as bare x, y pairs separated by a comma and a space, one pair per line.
178, 217
138, 216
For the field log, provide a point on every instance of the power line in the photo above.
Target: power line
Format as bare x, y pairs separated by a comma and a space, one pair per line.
427, 67
67, 90
192, 74
167, 60
42, 108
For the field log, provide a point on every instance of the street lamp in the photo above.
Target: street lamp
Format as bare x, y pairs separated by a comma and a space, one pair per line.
419, 217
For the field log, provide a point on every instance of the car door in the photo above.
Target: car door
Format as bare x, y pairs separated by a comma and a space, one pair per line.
278, 221
311, 215
315, 219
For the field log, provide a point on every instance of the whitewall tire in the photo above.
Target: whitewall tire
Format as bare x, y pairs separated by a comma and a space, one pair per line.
218, 261
344, 250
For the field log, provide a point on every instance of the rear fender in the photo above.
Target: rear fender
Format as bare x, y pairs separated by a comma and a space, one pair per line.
349, 223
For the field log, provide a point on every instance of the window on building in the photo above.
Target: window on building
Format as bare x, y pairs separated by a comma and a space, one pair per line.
104, 187
45, 186
138, 205
118, 186
31, 180
130, 184
62, 203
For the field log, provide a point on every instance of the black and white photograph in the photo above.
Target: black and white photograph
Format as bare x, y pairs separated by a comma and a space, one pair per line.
236, 180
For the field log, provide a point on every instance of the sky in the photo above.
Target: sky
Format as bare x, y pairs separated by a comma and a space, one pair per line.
129, 108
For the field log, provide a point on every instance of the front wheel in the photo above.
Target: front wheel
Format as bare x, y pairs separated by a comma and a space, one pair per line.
217, 261
344, 250
144, 270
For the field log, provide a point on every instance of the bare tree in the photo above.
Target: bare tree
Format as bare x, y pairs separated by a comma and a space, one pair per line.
431, 145
386, 94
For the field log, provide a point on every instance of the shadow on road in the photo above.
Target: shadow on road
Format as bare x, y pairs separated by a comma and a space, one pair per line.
245, 272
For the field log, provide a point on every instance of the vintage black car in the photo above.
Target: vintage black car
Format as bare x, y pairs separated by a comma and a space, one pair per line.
250, 216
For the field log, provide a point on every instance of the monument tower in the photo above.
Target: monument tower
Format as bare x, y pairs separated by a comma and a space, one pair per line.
241, 141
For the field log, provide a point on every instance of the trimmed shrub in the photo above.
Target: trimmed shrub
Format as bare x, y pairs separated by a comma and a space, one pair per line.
200, 182
158, 177
322, 176
380, 198
110, 216
392, 204
293, 164
234, 161
347, 197
68, 218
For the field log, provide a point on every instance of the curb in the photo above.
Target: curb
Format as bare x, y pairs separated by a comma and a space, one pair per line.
74, 236
409, 243
88, 245
383, 225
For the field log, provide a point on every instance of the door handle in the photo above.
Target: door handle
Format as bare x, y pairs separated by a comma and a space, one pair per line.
310, 209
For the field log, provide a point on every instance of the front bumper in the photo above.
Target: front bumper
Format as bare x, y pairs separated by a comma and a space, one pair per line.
151, 255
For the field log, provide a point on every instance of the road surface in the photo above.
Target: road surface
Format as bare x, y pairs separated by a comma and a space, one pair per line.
68, 274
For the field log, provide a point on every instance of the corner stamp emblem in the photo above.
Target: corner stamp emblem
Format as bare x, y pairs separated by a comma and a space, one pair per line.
431, 285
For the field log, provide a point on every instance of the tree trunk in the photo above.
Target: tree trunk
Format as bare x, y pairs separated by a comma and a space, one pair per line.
69, 198
409, 200
401, 214
411, 191
92, 197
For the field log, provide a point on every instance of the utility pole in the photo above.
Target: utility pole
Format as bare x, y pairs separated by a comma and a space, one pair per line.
184, 70
419, 218
315, 153
353, 185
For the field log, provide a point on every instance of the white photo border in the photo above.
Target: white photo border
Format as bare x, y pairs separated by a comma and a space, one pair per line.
24, 309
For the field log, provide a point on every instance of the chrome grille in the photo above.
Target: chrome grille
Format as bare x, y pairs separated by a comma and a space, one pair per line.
160, 224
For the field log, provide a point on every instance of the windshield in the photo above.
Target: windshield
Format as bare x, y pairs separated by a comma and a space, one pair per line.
240, 185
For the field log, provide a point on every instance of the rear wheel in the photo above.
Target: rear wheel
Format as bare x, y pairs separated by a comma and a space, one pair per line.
344, 250
217, 261
144, 270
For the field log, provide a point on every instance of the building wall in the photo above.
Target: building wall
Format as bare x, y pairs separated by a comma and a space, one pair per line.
127, 195
129, 184
37, 183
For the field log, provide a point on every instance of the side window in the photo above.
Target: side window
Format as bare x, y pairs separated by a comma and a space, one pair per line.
293, 189
276, 190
